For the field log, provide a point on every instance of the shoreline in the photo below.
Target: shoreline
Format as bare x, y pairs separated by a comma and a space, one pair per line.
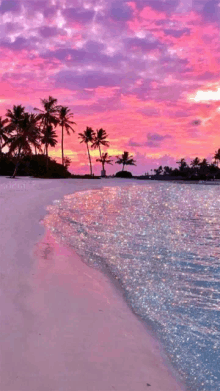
26, 294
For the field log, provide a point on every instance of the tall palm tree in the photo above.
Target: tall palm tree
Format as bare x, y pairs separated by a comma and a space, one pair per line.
87, 137
48, 117
15, 116
100, 139
158, 170
195, 164
126, 160
24, 139
65, 117
49, 138
217, 156
36, 129
182, 164
204, 167
104, 159
49, 114
204, 163
3, 133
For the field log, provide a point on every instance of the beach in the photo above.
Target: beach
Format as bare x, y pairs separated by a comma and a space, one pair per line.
65, 326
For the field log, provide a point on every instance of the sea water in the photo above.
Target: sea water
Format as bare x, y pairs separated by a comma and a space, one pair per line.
161, 241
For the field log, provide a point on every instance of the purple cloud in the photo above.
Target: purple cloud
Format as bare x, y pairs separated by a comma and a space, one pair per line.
177, 33
154, 140
162, 5
92, 53
144, 44
47, 32
90, 79
35, 5
120, 11
78, 15
10, 6
211, 10
19, 44
149, 112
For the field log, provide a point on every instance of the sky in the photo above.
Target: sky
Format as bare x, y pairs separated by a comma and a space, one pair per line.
148, 72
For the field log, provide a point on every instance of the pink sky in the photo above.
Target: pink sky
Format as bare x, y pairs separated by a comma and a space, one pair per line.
148, 72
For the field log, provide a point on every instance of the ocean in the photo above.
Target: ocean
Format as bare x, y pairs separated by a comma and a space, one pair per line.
161, 242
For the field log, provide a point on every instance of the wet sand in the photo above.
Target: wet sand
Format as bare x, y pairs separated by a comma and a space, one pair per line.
65, 326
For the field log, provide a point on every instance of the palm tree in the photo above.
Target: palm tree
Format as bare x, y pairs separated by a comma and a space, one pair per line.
126, 160
3, 133
38, 134
204, 163
15, 116
158, 170
65, 122
195, 164
104, 159
49, 138
217, 156
167, 170
100, 139
48, 117
204, 167
88, 137
66, 162
182, 164
24, 139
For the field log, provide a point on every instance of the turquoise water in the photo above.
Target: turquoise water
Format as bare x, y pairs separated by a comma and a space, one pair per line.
162, 243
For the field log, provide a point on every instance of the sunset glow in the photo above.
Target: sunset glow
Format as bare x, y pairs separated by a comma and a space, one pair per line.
148, 72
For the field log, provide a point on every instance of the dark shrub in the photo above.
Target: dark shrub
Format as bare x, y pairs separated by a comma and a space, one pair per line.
7, 165
123, 174
35, 165
38, 168
217, 175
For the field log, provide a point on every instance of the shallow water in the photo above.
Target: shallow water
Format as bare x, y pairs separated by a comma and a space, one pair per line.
162, 242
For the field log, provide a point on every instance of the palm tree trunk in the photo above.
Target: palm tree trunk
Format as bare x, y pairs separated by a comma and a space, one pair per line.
46, 146
100, 153
17, 163
123, 167
90, 162
15, 170
62, 146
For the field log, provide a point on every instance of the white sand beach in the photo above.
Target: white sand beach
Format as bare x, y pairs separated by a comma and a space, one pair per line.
65, 326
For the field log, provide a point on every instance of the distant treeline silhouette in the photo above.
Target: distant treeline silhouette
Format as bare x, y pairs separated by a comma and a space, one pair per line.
198, 169
28, 138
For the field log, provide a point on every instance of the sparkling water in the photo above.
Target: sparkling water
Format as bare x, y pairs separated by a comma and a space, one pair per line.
162, 242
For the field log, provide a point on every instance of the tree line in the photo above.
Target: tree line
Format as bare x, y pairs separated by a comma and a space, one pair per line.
197, 169
24, 132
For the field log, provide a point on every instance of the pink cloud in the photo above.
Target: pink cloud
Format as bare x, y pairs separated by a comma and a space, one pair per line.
125, 67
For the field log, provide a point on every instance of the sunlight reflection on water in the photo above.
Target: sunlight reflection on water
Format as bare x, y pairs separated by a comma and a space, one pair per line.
162, 242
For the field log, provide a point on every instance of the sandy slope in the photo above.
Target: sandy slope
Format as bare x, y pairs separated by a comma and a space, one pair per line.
64, 326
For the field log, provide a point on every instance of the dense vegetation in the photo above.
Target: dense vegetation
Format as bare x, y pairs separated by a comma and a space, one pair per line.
28, 137
198, 169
